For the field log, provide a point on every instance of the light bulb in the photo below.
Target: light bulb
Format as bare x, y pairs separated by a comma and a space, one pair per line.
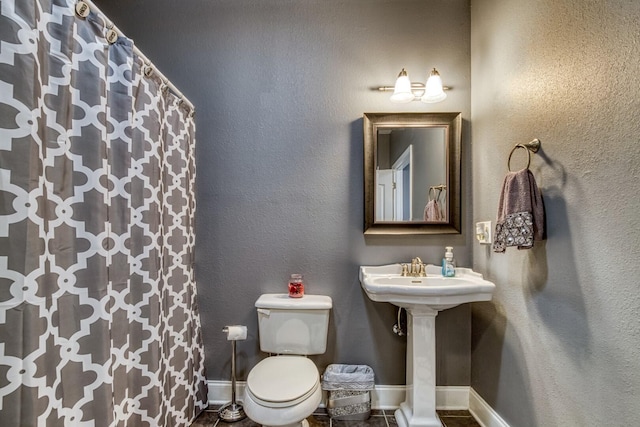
433, 89
402, 92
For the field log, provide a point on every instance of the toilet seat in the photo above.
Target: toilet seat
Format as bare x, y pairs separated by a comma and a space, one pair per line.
281, 381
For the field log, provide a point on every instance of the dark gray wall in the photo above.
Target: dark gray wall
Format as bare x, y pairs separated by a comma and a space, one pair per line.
280, 88
560, 344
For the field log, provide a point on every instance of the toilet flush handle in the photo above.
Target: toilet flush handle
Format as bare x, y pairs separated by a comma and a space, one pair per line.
264, 312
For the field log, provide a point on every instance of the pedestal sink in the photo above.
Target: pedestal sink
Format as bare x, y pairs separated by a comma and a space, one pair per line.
422, 297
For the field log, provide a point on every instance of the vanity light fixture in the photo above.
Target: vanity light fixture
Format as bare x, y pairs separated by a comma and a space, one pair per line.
405, 91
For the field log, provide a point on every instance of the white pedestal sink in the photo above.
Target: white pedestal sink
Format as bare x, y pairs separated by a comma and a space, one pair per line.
422, 297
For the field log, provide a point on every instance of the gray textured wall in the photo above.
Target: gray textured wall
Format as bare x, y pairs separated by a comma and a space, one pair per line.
560, 344
280, 88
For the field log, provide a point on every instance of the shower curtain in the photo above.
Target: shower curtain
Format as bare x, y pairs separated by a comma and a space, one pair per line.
98, 317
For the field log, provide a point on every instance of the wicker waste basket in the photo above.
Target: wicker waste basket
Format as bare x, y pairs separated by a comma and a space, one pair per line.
349, 388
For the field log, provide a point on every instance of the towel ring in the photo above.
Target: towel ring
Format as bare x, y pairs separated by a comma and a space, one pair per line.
511, 154
531, 147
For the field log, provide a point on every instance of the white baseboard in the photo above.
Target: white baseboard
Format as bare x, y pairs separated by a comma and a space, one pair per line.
387, 396
483, 413
390, 396
382, 397
452, 397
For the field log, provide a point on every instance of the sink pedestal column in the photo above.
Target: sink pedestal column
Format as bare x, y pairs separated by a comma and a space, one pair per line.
419, 407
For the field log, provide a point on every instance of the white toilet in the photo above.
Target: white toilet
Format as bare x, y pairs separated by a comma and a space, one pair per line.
284, 389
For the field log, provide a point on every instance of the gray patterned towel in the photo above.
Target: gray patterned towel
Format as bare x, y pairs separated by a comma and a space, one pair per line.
520, 212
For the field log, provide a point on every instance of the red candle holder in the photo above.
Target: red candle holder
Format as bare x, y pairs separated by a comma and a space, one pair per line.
296, 286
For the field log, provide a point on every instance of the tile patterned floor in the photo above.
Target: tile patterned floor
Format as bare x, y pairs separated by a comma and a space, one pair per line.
378, 418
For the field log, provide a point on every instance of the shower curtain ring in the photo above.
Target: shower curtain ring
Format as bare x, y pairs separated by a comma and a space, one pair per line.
112, 35
148, 70
82, 9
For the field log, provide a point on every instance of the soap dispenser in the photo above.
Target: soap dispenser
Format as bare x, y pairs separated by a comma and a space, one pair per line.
448, 263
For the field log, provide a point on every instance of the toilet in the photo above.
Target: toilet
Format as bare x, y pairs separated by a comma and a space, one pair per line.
284, 389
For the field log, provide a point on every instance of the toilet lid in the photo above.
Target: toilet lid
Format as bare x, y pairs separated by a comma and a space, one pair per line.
280, 379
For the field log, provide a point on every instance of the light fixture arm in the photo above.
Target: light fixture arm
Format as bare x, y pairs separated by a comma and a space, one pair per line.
414, 86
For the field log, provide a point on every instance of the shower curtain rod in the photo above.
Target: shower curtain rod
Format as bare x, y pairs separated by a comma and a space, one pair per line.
109, 24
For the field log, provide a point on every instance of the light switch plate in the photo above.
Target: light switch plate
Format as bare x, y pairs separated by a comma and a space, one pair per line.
483, 232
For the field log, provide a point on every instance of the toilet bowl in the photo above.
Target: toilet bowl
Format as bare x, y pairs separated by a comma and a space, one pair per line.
282, 391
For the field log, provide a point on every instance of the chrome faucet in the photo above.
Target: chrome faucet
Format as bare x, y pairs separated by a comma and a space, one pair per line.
417, 269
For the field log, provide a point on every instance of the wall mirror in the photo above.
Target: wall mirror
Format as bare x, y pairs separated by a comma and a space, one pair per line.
412, 173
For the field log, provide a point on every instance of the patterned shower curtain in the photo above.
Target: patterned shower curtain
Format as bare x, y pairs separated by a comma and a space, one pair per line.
98, 318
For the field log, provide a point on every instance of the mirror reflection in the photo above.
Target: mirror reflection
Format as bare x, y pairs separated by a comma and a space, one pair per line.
412, 173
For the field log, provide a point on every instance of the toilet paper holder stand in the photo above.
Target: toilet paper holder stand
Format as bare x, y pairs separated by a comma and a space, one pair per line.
232, 411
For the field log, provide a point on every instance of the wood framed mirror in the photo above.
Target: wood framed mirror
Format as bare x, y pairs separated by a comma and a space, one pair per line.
412, 173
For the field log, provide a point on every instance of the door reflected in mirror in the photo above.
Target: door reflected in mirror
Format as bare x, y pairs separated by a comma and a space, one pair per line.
412, 173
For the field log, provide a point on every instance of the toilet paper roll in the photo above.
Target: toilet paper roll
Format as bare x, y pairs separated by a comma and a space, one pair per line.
236, 332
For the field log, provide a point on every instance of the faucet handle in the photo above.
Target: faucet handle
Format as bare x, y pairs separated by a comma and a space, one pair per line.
405, 271
422, 273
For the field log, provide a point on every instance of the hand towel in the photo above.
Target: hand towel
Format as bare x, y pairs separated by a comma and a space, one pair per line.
520, 212
432, 211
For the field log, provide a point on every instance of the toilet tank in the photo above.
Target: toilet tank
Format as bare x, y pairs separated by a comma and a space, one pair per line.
293, 325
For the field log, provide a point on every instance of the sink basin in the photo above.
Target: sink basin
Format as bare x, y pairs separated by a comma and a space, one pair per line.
423, 298
385, 284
